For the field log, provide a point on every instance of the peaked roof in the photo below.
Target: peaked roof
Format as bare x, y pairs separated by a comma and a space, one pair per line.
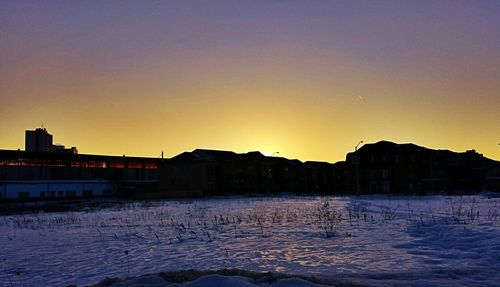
384, 145
209, 154
186, 156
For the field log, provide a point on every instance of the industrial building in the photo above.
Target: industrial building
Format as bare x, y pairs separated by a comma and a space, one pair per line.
25, 174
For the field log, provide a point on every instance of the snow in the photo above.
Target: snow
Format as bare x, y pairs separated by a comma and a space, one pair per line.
366, 240
211, 281
143, 281
218, 280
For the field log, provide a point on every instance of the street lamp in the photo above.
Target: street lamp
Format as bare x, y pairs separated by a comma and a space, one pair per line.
356, 160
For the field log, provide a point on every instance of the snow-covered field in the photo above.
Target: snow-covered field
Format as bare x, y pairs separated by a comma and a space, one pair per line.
372, 240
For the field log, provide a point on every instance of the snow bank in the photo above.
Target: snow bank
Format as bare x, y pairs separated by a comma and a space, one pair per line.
242, 278
251, 279
142, 281
219, 280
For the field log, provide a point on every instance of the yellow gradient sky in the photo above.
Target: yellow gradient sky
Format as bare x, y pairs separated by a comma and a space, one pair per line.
308, 80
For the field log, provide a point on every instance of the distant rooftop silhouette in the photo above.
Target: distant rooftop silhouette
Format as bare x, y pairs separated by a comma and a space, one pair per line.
40, 140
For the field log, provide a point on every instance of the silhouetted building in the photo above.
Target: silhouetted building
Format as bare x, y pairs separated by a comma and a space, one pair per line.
201, 172
214, 172
23, 173
386, 167
324, 178
62, 149
53, 171
38, 140
493, 179
272, 175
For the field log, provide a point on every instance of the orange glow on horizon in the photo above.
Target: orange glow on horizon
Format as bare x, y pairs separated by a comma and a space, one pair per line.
307, 81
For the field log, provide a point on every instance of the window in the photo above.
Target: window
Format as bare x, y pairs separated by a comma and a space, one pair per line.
70, 193
42, 194
373, 187
23, 194
385, 173
210, 171
87, 193
386, 187
60, 193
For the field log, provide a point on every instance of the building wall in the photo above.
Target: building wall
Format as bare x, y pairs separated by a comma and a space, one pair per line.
187, 179
38, 140
386, 167
25, 190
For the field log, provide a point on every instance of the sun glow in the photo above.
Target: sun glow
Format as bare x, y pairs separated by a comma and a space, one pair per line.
179, 76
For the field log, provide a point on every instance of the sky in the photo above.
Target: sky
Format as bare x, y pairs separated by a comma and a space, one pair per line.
307, 79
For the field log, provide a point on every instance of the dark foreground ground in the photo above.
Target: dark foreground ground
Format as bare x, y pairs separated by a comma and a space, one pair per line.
223, 278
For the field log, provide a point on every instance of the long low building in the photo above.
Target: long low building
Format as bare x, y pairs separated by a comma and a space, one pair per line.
23, 165
38, 175
56, 189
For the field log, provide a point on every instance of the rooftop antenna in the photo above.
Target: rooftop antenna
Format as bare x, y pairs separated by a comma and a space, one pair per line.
356, 148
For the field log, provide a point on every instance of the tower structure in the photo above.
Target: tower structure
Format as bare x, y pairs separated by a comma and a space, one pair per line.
38, 140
